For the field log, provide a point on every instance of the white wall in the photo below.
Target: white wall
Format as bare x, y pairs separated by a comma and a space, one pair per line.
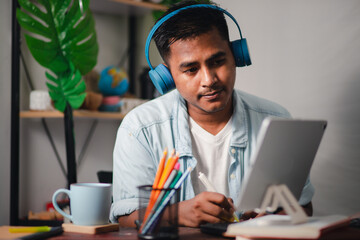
306, 57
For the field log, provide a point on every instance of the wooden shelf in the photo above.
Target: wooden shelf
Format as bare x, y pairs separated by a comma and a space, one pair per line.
149, 5
76, 113
124, 7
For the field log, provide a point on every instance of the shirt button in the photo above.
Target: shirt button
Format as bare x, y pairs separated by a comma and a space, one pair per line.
233, 150
232, 176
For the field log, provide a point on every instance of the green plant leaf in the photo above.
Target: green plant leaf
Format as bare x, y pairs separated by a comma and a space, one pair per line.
67, 87
61, 37
60, 28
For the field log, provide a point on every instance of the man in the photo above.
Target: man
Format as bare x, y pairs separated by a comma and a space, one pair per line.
211, 125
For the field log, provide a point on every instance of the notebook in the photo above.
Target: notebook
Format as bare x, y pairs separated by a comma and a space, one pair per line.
281, 228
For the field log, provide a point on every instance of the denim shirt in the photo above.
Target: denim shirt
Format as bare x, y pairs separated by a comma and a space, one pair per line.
163, 123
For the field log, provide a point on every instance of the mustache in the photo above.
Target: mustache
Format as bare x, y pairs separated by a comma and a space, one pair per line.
211, 90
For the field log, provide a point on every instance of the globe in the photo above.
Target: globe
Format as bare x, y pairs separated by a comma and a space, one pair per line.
113, 81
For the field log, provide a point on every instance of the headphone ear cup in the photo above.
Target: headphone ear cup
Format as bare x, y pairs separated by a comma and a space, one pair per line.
241, 52
162, 79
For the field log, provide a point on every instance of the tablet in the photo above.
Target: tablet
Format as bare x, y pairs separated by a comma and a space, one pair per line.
285, 151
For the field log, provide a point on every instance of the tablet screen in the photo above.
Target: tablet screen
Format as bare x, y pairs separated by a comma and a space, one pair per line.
285, 152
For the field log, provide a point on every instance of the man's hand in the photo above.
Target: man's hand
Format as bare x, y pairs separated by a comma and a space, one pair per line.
205, 207
308, 209
129, 220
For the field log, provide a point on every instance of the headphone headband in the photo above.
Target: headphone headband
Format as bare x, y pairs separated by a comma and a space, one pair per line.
170, 15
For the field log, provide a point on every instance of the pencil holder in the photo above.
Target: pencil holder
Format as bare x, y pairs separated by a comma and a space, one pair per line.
158, 213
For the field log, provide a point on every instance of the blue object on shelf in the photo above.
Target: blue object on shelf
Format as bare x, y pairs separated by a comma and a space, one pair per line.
113, 81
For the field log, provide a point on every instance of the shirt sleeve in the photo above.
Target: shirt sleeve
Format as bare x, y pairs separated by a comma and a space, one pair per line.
132, 167
307, 193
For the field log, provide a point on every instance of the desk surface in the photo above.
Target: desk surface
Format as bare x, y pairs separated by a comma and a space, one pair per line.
131, 234
193, 233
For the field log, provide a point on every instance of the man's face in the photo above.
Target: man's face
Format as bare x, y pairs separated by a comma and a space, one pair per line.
203, 69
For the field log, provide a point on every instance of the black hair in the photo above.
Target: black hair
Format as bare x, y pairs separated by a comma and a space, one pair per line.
187, 24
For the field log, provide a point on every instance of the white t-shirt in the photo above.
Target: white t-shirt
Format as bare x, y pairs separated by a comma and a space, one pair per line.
213, 159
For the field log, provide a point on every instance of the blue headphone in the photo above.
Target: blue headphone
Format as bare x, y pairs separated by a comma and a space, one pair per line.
161, 76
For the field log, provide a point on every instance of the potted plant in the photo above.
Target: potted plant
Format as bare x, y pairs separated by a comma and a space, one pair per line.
61, 37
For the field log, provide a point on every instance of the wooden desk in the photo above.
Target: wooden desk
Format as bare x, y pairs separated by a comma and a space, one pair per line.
194, 233
131, 234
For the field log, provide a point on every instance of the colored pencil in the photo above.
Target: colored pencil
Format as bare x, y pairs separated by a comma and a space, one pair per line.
160, 169
158, 175
165, 174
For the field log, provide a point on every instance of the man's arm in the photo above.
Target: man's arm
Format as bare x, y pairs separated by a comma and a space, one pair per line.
205, 207
129, 220
130, 158
308, 209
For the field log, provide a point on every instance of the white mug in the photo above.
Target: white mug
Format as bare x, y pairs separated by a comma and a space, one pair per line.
89, 203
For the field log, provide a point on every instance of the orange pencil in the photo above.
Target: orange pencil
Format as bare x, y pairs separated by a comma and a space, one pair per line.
160, 169
158, 175
168, 168
172, 154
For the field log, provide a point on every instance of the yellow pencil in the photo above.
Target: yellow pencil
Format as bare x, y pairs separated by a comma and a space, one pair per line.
167, 170
29, 229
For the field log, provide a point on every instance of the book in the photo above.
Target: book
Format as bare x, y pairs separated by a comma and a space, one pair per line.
280, 226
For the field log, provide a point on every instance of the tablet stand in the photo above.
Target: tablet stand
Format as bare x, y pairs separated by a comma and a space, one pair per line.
280, 196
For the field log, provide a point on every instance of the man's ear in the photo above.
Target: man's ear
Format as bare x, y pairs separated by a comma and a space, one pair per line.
167, 66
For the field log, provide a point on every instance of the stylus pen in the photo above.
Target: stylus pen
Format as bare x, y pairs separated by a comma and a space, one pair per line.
211, 188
